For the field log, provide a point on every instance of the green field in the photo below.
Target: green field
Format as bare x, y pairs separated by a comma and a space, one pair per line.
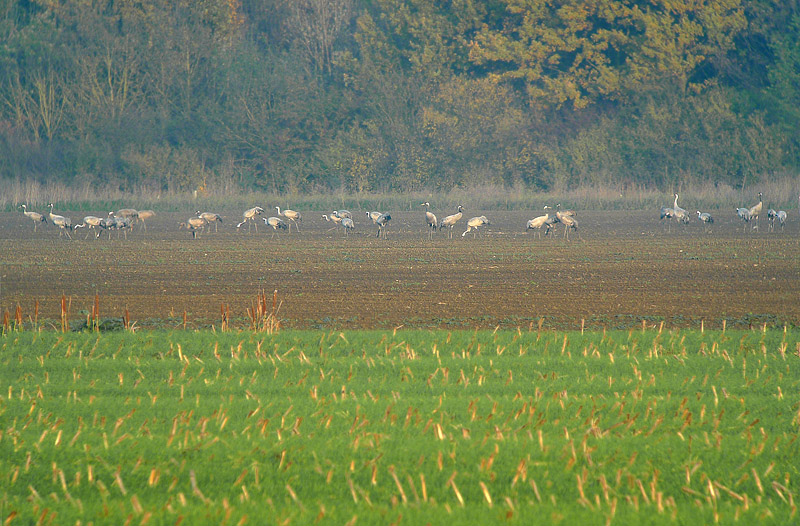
406, 427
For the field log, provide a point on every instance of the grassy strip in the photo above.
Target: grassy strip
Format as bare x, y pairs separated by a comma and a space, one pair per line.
367, 427
778, 193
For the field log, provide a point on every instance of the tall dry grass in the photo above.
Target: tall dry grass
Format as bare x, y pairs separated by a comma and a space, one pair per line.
779, 193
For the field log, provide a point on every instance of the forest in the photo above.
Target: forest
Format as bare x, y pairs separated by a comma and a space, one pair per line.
293, 96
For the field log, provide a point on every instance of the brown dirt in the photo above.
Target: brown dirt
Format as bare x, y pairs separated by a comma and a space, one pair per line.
623, 268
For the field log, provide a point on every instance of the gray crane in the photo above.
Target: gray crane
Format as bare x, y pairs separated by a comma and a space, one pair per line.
744, 215
430, 219
144, 215
210, 217
275, 223
249, 216
537, 223
755, 210
63, 223
474, 223
781, 216
450, 221
705, 218
348, 225
382, 221
194, 224
291, 215
36, 217
94, 224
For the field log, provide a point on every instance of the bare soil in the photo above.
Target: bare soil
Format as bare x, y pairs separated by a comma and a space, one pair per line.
618, 269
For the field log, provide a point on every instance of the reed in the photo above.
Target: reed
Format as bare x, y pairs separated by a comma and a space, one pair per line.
262, 318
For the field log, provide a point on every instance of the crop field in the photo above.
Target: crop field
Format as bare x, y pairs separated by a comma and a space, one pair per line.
400, 427
619, 269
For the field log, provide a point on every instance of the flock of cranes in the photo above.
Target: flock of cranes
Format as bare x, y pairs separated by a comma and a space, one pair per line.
746, 215
123, 220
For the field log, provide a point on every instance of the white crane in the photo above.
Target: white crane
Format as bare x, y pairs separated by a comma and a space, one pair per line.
249, 216
291, 215
450, 221
474, 223
430, 218
570, 223
36, 217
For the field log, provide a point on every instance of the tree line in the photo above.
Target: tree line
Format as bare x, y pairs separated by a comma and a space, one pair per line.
382, 95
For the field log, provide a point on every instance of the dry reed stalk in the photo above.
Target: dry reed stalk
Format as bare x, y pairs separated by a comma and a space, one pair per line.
36, 313
96, 312
126, 319
18, 317
6, 321
224, 311
65, 312
262, 320
184, 320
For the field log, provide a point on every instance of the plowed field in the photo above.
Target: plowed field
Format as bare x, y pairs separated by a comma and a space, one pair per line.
619, 268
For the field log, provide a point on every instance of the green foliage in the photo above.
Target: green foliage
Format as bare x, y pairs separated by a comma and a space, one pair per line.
402, 95
660, 427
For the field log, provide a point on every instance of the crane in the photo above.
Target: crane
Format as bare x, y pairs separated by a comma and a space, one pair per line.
36, 217
291, 215
193, 224
755, 210
430, 218
208, 217
705, 218
537, 224
249, 216
744, 215
275, 223
64, 223
451, 220
94, 222
145, 214
382, 221
474, 223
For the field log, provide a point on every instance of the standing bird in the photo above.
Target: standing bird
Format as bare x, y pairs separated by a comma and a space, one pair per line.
570, 223
249, 216
474, 223
275, 223
680, 214
335, 218
781, 216
348, 225
771, 216
705, 218
342, 214
431, 220
381, 221
451, 220
208, 217
667, 213
374, 216
64, 223
145, 214
755, 210
744, 215
128, 213
537, 224
93, 222
291, 215
560, 213
194, 224
36, 217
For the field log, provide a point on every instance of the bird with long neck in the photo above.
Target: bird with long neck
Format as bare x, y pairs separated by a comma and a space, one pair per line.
430, 219
755, 210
